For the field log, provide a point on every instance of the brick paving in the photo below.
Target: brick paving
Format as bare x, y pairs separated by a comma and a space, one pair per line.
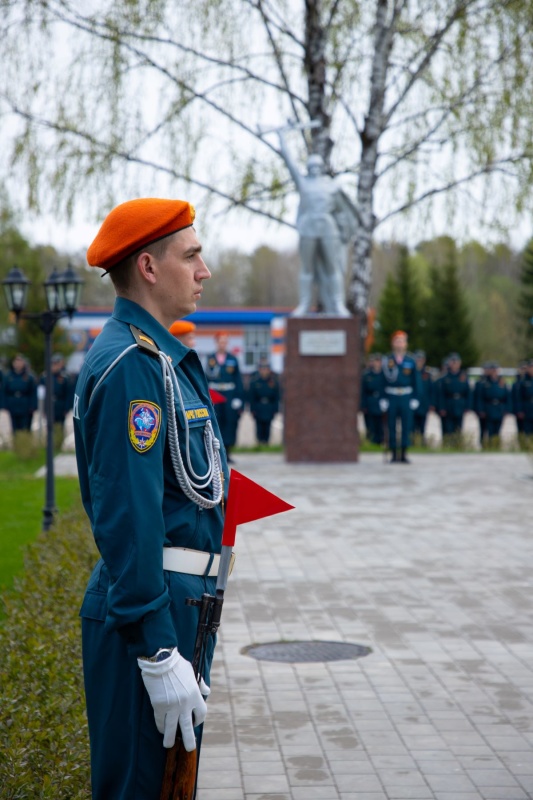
429, 565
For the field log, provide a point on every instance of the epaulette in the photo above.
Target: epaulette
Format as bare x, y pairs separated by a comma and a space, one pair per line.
144, 342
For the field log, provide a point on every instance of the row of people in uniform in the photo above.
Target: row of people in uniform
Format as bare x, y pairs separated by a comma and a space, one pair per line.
262, 396
400, 386
19, 391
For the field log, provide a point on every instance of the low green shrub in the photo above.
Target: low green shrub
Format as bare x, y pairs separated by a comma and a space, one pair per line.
26, 445
44, 748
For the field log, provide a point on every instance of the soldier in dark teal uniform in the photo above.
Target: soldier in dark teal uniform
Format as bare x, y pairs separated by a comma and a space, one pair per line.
401, 391
426, 396
453, 397
493, 402
223, 374
476, 402
525, 401
63, 389
263, 399
20, 394
515, 396
152, 481
371, 394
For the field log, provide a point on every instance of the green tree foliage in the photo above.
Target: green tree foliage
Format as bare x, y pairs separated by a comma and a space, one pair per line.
36, 263
413, 315
119, 97
390, 314
401, 305
525, 302
448, 326
272, 279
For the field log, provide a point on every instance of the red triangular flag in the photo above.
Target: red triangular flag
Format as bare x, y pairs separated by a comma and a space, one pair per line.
248, 501
217, 397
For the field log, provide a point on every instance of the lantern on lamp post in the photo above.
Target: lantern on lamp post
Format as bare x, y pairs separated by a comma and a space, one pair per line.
62, 292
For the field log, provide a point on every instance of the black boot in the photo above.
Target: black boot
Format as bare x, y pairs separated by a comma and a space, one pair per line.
404, 458
394, 457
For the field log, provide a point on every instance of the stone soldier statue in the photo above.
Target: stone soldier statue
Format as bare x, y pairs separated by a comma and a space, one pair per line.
325, 223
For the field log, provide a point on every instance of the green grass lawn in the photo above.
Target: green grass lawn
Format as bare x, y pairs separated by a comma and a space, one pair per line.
22, 498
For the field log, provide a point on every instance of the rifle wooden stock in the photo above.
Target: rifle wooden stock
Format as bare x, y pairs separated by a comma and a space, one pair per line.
179, 779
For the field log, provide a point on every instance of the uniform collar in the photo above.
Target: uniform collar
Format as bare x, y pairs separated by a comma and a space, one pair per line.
133, 314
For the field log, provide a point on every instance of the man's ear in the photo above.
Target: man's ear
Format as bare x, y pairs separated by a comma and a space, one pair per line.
146, 268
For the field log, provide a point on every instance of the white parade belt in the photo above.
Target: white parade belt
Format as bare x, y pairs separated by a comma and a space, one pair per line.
192, 562
398, 390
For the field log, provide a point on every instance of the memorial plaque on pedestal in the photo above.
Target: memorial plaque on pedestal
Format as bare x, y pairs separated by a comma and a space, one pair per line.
321, 389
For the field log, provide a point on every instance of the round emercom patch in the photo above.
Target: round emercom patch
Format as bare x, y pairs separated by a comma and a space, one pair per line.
298, 652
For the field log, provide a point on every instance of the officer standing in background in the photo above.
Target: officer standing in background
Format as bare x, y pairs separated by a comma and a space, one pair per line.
476, 402
224, 376
525, 400
493, 401
401, 392
20, 394
152, 482
515, 396
453, 397
426, 396
63, 389
263, 399
371, 393
184, 331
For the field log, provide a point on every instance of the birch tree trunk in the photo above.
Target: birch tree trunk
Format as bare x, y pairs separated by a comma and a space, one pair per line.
361, 272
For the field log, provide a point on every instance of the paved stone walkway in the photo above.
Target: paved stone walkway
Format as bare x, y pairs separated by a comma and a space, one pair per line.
430, 565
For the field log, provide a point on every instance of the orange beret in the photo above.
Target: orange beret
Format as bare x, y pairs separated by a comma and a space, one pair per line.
397, 333
182, 326
220, 333
135, 224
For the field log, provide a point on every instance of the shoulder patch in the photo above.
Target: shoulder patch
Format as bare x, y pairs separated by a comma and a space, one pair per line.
144, 342
144, 423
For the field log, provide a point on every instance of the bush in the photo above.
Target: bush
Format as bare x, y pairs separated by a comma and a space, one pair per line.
44, 747
25, 445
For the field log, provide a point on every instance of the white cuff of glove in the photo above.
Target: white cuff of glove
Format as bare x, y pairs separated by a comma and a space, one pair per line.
175, 697
236, 403
413, 404
383, 405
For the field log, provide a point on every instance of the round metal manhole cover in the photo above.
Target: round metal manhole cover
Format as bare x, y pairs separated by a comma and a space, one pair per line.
292, 652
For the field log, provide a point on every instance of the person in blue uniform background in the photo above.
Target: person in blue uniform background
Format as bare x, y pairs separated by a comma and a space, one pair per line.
224, 376
401, 391
263, 399
20, 394
493, 402
525, 399
453, 397
516, 396
371, 393
63, 389
426, 397
149, 491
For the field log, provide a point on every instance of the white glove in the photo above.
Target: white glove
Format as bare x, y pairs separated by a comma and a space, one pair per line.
175, 696
236, 403
413, 404
383, 405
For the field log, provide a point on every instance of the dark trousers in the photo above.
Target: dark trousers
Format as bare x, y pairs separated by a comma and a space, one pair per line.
399, 409
419, 423
451, 424
21, 422
262, 430
374, 428
127, 753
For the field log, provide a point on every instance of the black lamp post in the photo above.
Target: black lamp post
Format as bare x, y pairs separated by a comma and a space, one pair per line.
62, 296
